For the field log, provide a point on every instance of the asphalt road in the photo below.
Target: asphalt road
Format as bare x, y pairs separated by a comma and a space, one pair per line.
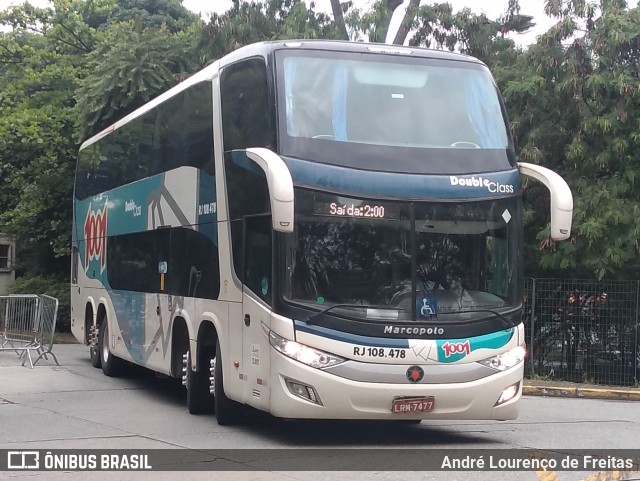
75, 406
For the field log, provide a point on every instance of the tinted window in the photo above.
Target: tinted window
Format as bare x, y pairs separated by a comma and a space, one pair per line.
447, 105
247, 189
87, 161
391, 113
246, 110
247, 194
257, 256
192, 265
461, 256
177, 133
74, 265
236, 247
132, 261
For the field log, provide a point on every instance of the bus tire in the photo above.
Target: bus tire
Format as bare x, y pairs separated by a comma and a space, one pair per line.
95, 357
228, 412
110, 364
94, 352
199, 398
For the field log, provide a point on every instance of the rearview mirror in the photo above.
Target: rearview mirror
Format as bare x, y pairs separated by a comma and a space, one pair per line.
280, 187
561, 198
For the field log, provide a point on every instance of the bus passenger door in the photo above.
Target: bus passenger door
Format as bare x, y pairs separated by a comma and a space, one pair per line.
256, 300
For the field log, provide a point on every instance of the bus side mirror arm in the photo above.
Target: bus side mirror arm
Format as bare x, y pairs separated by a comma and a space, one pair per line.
280, 187
561, 198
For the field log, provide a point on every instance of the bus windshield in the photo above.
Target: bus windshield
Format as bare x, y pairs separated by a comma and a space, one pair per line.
390, 101
457, 256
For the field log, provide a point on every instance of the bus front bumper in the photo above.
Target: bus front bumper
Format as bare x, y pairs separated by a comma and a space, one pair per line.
340, 398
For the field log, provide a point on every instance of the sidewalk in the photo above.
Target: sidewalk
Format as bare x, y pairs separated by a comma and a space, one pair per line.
578, 390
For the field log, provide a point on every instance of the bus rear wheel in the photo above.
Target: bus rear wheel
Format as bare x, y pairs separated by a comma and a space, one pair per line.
111, 365
94, 354
228, 412
199, 398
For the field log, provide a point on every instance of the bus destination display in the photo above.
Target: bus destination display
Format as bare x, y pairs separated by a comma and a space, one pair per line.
354, 209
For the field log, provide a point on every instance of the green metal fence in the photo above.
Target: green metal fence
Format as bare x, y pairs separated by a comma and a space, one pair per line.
583, 330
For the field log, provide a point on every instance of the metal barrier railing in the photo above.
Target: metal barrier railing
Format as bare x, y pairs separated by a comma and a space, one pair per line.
583, 330
27, 326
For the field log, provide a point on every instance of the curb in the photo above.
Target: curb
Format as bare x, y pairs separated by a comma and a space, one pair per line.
583, 392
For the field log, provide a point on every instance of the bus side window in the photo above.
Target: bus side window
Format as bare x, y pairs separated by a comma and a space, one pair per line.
257, 256
248, 196
247, 114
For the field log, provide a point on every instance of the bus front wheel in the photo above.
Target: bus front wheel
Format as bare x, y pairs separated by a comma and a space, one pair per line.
228, 412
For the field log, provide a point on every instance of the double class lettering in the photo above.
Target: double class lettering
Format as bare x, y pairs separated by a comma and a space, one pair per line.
491, 186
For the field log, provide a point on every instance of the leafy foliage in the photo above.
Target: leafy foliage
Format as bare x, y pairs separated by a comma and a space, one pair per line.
574, 108
250, 22
36, 122
128, 68
72, 69
153, 14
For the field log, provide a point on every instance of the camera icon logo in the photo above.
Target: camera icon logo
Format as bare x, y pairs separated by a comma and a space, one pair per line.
23, 460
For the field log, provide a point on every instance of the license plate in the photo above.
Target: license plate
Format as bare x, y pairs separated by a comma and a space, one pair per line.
413, 405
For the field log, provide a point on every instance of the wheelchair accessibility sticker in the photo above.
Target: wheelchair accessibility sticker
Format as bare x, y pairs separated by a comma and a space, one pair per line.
427, 307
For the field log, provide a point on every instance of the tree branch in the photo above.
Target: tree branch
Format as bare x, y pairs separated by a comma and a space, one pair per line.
66, 42
15, 56
73, 34
386, 14
407, 20
338, 18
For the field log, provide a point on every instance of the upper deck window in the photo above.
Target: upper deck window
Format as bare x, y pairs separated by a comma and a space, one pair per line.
387, 101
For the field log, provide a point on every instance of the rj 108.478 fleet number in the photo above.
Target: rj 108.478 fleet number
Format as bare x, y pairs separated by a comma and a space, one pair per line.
379, 352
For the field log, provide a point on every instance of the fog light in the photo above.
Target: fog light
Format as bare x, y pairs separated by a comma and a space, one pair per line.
303, 391
508, 394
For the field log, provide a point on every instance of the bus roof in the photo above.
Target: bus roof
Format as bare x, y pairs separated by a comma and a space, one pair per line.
265, 49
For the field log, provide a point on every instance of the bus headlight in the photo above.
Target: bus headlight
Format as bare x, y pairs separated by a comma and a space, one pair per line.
304, 354
506, 360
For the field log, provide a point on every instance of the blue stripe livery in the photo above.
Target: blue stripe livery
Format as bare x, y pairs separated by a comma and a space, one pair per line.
403, 186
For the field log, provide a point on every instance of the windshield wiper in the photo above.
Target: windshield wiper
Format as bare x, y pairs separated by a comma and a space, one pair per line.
495, 313
360, 306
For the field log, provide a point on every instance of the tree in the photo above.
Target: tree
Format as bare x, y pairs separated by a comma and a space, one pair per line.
575, 108
338, 9
250, 22
68, 71
48, 56
36, 124
129, 67
153, 14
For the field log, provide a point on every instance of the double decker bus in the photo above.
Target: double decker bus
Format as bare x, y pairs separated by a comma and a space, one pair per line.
315, 229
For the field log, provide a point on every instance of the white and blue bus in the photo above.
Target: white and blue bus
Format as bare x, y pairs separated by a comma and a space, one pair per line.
315, 229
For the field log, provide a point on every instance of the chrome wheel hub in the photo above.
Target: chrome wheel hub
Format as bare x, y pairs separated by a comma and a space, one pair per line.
185, 366
105, 343
212, 376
